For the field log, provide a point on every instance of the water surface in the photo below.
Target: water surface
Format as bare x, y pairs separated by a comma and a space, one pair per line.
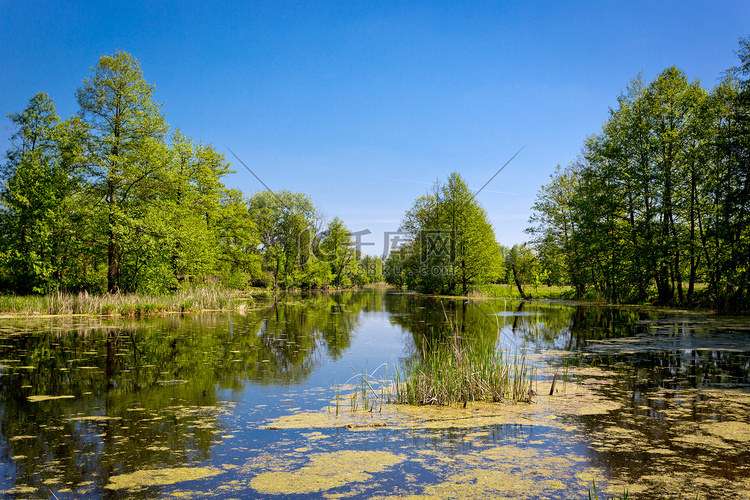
257, 403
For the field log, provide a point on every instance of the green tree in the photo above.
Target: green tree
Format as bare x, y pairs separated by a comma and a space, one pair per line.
125, 162
194, 204
287, 225
37, 198
239, 261
730, 288
337, 250
658, 198
452, 244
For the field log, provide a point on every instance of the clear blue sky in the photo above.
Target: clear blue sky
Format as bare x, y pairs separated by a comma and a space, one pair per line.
362, 105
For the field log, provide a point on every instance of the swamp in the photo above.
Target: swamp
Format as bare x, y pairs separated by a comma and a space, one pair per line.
301, 396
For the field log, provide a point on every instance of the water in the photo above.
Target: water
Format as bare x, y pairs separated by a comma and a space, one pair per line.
244, 405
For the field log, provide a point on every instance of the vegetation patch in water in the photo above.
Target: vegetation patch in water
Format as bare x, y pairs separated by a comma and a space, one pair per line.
545, 411
729, 431
37, 399
326, 471
459, 370
160, 477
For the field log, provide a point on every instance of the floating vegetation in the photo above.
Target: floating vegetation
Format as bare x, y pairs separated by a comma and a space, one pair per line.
94, 418
160, 477
37, 399
326, 471
545, 412
729, 431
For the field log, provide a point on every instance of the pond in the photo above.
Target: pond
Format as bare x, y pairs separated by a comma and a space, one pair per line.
287, 398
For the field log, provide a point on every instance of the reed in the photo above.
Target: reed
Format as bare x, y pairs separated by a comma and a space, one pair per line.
459, 370
129, 305
595, 495
371, 392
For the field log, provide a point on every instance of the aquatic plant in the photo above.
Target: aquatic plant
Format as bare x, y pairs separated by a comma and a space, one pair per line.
365, 395
458, 370
59, 303
596, 495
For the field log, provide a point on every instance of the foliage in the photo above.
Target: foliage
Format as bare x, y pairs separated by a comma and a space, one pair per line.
659, 200
111, 201
451, 243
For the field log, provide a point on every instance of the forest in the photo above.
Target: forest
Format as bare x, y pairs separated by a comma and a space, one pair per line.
656, 207
112, 200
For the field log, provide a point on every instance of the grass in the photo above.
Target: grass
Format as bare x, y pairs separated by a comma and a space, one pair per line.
365, 396
129, 305
496, 291
459, 370
450, 370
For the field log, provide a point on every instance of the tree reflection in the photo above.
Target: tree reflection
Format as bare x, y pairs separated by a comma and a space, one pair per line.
145, 394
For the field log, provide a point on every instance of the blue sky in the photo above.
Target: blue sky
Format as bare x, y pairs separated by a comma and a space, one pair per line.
362, 105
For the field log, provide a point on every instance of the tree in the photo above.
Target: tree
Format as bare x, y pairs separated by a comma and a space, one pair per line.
194, 201
287, 225
553, 227
452, 244
731, 289
659, 197
37, 197
239, 262
126, 160
337, 250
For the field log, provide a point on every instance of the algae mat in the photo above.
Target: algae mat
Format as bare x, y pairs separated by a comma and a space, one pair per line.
326, 471
160, 477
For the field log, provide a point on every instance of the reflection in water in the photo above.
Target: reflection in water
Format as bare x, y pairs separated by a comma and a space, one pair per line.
135, 394
83, 400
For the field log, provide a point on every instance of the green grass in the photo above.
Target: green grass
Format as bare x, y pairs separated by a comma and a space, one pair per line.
459, 370
451, 369
129, 305
511, 292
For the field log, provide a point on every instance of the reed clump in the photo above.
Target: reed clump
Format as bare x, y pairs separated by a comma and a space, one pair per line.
458, 370
199, 298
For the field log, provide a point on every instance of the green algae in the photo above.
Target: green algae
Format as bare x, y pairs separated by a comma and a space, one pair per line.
543, 411
160, 477
326, 471
37, 399
728, 431
94, 418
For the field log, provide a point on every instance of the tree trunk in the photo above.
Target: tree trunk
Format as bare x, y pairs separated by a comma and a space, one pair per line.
518, 283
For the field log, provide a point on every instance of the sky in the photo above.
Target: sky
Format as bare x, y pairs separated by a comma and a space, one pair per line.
364, 105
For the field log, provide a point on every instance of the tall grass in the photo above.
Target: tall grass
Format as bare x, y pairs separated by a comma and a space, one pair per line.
494, 291
459, 370
193, 299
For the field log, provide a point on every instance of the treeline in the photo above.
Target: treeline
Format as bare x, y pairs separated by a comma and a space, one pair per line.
111, 200
657, 206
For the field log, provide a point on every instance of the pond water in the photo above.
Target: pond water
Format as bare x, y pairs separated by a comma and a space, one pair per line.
260, 403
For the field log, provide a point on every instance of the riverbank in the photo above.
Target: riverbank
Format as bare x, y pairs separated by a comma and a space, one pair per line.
130, 305
508, 291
